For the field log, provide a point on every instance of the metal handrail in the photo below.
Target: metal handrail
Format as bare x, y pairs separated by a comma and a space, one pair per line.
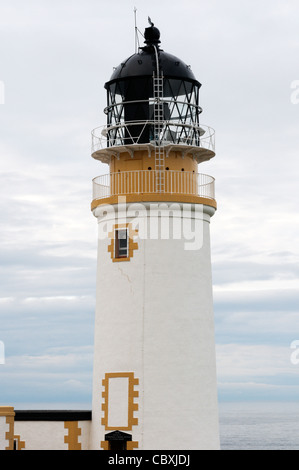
111, 106
143, 182
204, 135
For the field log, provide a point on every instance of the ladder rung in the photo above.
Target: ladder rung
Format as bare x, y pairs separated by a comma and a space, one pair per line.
158, 117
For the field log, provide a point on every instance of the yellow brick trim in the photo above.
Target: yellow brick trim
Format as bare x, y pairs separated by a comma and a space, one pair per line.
132, 245
132, 406
105, 445
132, 445
9, 412
73, 433
21, 444
158, 197
9, 435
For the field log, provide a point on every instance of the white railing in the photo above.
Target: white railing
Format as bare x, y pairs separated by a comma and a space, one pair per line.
134, 132
144, 182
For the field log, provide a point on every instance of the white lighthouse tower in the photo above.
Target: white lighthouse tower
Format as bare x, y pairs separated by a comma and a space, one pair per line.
154, 384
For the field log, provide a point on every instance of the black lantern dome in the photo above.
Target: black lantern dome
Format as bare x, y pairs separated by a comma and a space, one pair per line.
143, 64
142, 80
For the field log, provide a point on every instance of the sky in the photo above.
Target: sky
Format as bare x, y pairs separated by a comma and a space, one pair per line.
55, 57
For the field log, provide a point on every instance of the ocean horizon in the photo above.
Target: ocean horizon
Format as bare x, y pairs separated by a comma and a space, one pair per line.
242, 425
259, 426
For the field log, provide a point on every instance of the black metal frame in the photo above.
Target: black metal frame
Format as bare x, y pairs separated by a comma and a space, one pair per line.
130, 111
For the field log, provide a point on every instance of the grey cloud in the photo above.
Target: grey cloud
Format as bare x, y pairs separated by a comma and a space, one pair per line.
54, 65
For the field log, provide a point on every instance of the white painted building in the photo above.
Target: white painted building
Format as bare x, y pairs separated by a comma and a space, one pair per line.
154, 382
154, 363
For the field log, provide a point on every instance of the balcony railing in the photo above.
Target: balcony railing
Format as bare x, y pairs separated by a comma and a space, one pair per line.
145, 182
142, 132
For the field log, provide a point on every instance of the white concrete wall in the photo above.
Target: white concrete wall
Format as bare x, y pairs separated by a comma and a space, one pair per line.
154, 317
84, 439
49, 435
41, 435
4, 428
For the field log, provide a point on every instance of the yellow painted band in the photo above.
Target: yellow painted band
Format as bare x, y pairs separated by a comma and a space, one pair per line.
158, 197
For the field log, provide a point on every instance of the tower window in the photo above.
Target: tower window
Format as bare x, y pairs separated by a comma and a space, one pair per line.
121, 243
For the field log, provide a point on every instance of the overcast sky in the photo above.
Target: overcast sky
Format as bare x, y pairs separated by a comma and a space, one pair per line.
55, 56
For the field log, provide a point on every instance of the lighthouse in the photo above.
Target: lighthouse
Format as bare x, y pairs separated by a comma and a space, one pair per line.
154, 373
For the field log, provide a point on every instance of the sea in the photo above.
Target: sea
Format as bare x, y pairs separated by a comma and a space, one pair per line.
259, 426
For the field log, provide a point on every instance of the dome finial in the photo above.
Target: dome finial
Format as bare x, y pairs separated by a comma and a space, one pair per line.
151, 34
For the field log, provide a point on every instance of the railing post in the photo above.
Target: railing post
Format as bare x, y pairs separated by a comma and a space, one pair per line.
143, 181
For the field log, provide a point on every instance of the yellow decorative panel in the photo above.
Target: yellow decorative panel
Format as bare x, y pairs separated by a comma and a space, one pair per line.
131, 406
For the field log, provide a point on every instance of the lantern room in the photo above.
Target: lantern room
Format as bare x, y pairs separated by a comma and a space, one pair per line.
153, 131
